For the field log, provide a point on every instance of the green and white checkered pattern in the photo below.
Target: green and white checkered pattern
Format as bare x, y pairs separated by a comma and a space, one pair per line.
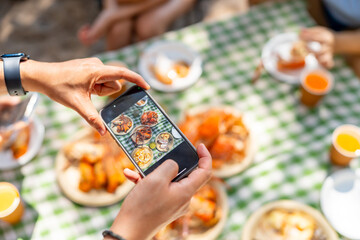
135, 112
292, 159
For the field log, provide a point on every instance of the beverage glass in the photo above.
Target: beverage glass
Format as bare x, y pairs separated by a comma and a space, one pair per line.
345, 144
11, 205
315, 84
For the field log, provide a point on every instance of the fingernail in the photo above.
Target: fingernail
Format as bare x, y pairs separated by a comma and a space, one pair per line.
101, 131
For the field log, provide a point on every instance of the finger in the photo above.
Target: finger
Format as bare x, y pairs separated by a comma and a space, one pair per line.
111, 73
167, 171
326, 60
132, 175
106, 89
205, 160
201, 175
86, 109
313, 36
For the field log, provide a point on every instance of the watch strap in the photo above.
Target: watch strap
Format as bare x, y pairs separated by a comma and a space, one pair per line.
12, 76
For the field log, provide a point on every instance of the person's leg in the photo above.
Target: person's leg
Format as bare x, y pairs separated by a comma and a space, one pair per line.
220, 9
119, 35
157, 20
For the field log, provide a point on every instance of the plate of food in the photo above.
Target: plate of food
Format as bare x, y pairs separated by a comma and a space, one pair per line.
170, 66
141, 135
226, 134
285, 56
287, 219
20, 144
150, 118
164, 142
122, 125
89, 170
205, 219
143, 156
141, 102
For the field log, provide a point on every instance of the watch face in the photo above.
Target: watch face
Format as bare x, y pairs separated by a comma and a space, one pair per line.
13, 55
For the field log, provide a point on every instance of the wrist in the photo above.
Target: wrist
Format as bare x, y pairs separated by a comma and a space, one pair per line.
129, 228
33, 75
337, 43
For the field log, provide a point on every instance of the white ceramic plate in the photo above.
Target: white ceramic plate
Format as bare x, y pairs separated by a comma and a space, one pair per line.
340, 202
175, 51
281, 44
252, 222
68, 181
37, 131
228, 170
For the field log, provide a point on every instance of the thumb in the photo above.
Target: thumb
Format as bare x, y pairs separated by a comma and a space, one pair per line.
167, 171
87, 110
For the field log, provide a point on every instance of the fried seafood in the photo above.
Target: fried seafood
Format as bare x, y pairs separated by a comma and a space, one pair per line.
296, 60
222, 131
149, 118
122, 124
143, 156
141, 135
100, 162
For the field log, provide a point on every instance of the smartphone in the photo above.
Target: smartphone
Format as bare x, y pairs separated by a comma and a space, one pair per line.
146, 134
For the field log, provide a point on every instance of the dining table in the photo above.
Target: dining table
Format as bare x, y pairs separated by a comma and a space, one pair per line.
292, 141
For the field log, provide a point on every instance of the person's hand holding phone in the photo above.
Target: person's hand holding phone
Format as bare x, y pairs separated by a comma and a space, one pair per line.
71, 83
156, 200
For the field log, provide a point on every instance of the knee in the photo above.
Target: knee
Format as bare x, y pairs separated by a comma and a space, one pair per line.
122, 27
146, 28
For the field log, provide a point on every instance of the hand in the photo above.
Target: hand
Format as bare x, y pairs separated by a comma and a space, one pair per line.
156, 201
71, 83
327, 40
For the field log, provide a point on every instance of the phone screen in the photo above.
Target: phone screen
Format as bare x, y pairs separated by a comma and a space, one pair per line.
146, 134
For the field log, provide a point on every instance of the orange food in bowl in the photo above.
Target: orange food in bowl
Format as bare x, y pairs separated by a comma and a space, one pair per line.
316, 82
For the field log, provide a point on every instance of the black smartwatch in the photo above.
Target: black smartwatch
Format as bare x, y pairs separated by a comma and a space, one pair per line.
12, 77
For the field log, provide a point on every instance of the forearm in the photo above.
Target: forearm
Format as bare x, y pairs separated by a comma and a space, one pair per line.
347, 42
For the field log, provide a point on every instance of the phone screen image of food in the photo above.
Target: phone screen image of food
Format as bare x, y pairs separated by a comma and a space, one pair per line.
145, 133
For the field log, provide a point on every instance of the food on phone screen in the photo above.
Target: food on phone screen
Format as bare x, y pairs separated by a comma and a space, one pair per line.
149, 118
152, 145
203, 214
143, 156
222, 131
295, 59
164, 142
141, 135
122, 125
141, 102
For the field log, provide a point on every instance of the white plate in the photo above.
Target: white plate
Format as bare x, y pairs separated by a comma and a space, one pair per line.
340, 202
281, 44
175, 51
252, 222
37, 130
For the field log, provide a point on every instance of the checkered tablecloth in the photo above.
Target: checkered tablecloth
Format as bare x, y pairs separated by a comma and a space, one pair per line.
135, 112
293, 141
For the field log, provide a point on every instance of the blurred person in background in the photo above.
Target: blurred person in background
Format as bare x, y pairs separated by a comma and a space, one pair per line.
339, 32
125, 21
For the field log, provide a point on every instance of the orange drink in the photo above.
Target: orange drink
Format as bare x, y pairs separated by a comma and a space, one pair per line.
11, 206
345, 144
315, 84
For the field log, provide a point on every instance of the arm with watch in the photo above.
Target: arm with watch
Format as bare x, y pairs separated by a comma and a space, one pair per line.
71, 83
